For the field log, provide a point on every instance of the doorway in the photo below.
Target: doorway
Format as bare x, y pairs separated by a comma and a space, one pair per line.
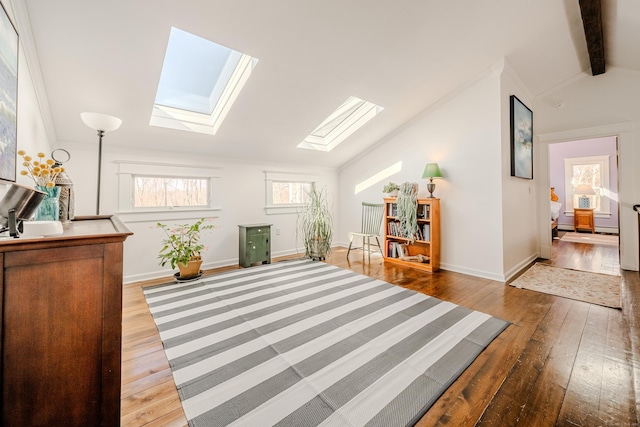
584, 177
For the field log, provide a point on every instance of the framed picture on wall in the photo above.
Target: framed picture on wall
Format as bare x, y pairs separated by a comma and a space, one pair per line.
521, 139
8, 97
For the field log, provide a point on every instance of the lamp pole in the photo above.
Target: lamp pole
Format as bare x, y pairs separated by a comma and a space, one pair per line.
102, 123
100, 135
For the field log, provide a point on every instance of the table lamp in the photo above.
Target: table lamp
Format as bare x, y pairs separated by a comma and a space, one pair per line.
432, 170
584, 190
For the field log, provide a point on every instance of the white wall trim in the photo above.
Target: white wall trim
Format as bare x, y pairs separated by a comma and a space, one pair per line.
519, 267
169, 215
586, 133
606, 230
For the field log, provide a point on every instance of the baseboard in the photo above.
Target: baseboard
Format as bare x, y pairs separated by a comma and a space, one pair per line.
605, 230
517, 269
160, 274
472, 272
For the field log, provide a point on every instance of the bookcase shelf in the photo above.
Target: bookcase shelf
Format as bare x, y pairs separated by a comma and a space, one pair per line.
427, 245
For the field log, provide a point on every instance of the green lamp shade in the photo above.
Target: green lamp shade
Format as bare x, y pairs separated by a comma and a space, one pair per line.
432, 170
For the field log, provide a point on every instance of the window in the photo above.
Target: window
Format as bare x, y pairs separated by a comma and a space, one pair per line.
286, 191
590, 171
163, 192
290, 193
157, 191
199, 82
345, 120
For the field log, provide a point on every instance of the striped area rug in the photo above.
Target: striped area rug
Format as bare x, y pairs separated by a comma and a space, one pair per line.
303, 343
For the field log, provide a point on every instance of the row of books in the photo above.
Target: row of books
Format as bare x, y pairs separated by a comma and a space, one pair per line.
424, 211
397, 250
394, 229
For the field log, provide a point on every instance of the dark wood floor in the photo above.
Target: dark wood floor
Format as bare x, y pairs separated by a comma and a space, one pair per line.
560, 362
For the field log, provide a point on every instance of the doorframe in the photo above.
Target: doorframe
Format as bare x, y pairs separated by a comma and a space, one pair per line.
628, 222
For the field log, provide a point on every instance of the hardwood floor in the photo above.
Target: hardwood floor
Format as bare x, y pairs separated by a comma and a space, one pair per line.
560, 362
595, 258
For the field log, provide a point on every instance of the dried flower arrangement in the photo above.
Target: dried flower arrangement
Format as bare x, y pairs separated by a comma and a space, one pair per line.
42, 171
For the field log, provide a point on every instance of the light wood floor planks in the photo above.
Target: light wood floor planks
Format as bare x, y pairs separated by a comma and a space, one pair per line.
560, 362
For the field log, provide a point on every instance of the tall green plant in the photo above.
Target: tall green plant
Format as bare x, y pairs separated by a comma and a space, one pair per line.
407, 210
315, 223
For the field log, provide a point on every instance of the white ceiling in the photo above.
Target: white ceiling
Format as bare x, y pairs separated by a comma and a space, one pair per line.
403, 55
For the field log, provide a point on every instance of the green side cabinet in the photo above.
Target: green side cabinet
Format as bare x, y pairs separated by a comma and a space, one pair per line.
255, 244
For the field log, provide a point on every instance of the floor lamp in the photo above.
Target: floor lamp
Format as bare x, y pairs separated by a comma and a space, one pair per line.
102, 123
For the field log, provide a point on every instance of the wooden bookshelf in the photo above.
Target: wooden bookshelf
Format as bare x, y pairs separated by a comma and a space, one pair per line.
428, 242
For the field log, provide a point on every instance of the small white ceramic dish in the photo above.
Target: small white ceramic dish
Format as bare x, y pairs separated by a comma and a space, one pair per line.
41, 228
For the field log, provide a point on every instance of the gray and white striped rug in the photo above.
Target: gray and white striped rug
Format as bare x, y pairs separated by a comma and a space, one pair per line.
302, 343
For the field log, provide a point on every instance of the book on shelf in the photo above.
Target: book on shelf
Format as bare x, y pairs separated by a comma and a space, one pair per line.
392, 209
426, 232
397, 250
423, 212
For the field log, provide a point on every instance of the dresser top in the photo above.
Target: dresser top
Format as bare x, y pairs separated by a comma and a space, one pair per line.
83, 230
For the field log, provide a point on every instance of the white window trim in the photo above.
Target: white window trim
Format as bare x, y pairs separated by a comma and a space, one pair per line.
128, 170
277, 176
605, 201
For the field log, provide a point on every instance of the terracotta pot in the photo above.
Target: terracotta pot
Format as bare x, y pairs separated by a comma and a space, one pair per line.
191, 269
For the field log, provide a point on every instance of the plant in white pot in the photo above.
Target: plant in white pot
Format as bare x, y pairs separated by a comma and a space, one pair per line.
391, 189
315, 223
182, 247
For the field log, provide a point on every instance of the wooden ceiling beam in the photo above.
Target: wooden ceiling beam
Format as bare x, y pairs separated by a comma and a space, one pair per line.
591, 11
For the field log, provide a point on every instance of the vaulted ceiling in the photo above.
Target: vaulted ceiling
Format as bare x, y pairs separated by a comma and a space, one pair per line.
404, 55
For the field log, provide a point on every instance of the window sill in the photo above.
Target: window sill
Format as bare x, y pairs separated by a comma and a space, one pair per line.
168, 214
282, 210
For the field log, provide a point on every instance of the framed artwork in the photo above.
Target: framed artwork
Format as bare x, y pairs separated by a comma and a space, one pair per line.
521, 140
8, 97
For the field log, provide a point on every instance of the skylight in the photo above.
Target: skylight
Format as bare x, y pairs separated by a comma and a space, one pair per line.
340, 124
199, 82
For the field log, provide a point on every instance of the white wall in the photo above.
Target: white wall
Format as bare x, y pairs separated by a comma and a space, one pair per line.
520, 242
31, 132
462, 133
241, 199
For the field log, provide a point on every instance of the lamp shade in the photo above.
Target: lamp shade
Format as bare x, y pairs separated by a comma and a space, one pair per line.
99, 121
432, 170
584, 189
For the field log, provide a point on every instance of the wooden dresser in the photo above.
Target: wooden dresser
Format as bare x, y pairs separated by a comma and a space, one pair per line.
61, 326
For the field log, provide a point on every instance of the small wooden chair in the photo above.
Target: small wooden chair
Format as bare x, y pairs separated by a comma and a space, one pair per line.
372, 216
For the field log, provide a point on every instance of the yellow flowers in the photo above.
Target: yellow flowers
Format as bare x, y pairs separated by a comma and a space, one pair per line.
42, 171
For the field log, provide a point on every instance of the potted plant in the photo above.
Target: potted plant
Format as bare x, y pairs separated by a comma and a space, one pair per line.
316, 225
391, 189
182, 247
